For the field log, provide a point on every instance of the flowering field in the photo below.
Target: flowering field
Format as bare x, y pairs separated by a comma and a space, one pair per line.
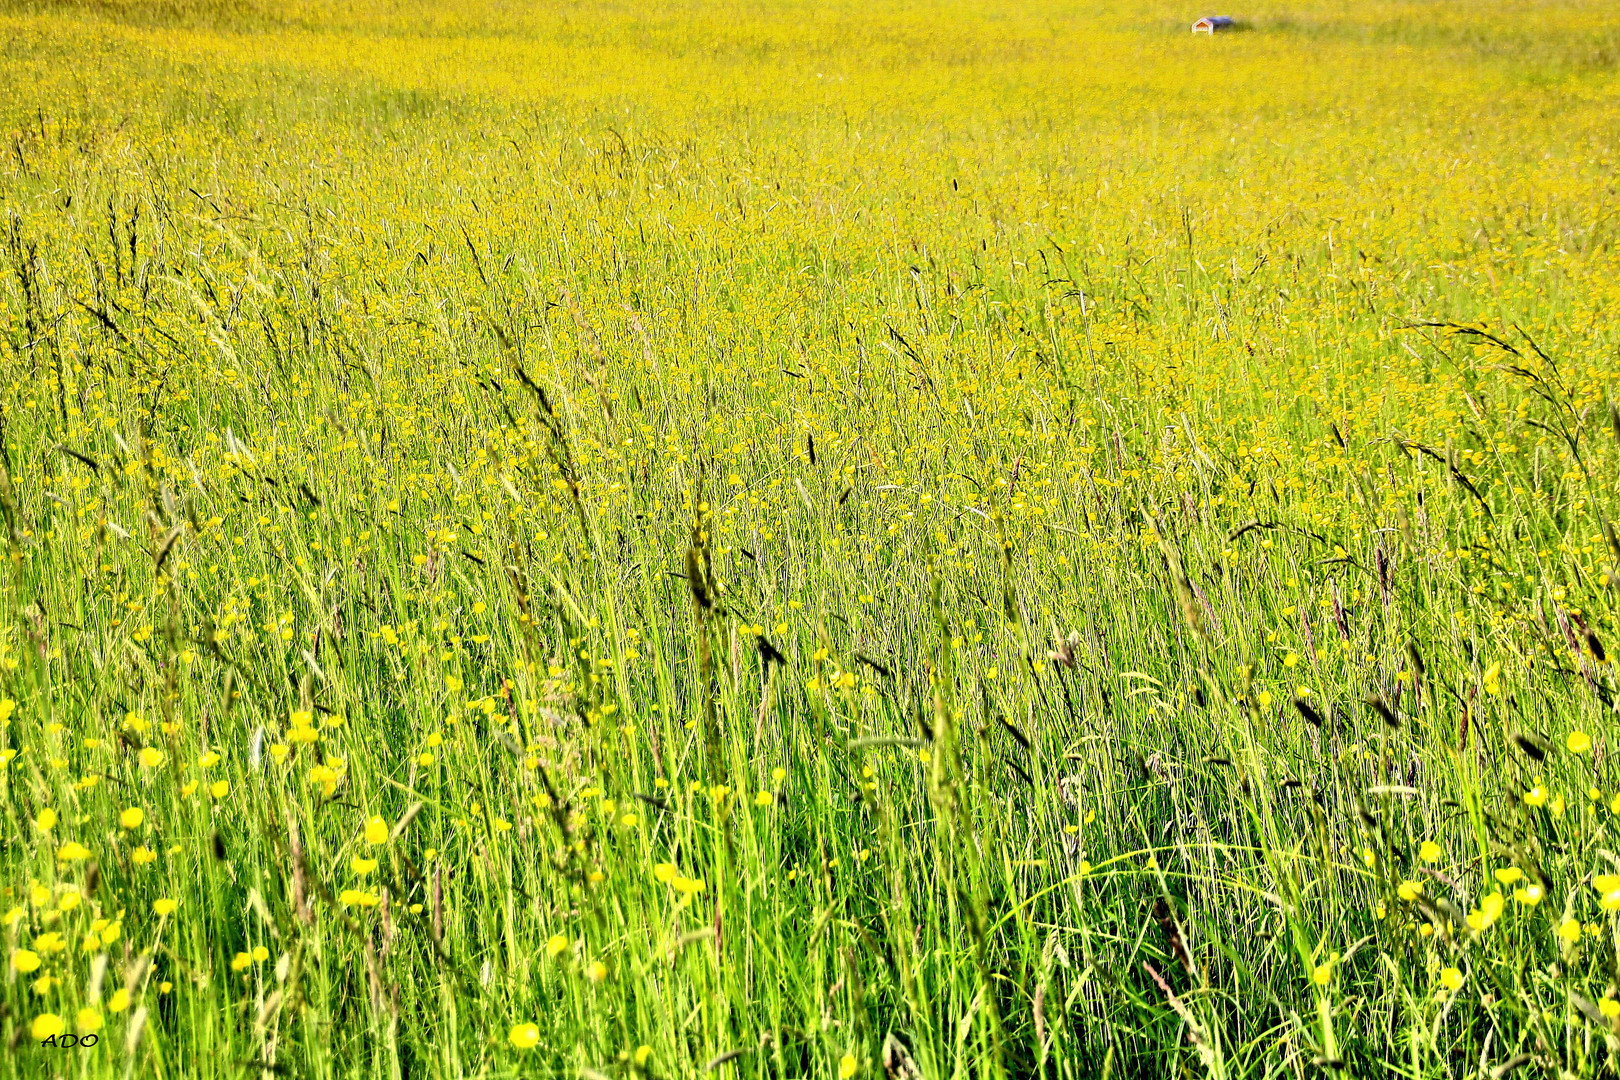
880, 539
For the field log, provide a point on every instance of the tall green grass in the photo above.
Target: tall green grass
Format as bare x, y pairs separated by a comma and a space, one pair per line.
798, 603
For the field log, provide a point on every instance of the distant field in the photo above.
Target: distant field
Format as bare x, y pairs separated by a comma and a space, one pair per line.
801, 540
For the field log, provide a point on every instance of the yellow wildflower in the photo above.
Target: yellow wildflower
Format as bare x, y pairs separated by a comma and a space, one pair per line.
1530, 895
1490, 909
47, 1026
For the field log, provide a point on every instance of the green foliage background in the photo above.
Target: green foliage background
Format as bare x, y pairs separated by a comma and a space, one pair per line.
910, 540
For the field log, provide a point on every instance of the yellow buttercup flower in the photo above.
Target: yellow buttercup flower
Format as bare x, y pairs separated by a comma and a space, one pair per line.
524, 1036
1490, 909
47, 1026
376, 831
1530, 895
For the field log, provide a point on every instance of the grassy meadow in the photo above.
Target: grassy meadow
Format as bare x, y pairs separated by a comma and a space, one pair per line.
886, 539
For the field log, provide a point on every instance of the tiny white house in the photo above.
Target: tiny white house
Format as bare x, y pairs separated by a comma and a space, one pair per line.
1210, 24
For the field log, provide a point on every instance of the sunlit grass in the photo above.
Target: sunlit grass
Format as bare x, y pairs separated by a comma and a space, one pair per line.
883, 540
